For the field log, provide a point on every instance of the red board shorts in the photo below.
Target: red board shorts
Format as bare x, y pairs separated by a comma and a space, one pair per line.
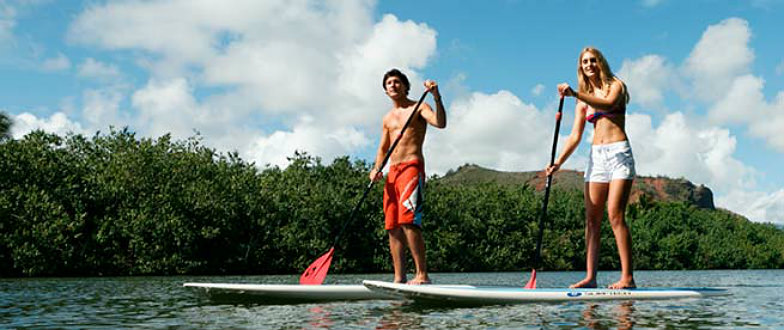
404, 194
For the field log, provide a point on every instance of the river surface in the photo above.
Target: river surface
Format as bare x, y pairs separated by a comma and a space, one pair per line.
756, 302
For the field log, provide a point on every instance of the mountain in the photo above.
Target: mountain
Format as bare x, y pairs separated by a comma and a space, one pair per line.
644, 188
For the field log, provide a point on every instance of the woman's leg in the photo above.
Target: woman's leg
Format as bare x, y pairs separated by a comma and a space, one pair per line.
595, 199
616, 210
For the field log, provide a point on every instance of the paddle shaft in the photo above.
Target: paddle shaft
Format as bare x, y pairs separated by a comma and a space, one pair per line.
380, 167
543, 214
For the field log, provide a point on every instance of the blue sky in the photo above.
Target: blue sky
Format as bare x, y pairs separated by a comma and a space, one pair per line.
269, 77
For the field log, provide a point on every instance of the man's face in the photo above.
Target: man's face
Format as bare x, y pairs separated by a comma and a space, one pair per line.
394, 87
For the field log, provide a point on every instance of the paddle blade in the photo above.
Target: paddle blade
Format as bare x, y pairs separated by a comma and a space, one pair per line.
532, 282
317, 271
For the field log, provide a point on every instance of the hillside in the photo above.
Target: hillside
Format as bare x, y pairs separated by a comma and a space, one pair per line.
644, 189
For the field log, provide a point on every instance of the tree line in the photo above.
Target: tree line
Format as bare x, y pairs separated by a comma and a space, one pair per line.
118, 204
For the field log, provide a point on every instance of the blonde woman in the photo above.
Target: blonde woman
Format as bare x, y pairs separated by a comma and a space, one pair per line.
601, 100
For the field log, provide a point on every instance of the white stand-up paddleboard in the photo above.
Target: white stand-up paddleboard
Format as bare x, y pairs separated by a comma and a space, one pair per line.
285, 293
486, 295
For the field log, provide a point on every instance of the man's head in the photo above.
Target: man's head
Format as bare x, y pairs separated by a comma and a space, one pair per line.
395, 73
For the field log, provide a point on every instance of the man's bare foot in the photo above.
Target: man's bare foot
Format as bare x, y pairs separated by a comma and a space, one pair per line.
419, 281
585, 283
623, 285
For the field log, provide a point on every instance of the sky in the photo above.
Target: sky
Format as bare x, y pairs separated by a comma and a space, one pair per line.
266, 78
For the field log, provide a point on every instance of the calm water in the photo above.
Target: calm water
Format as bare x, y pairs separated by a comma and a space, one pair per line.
162, 303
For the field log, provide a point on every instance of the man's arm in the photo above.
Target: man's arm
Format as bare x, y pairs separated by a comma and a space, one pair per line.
376, 173
436, 118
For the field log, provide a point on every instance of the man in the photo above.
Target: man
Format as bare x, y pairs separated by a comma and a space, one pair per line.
404, 188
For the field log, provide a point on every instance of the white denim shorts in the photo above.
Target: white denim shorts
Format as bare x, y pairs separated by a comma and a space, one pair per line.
609, 162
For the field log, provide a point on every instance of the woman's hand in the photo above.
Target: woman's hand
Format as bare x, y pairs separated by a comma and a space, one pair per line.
552, 169
565, 90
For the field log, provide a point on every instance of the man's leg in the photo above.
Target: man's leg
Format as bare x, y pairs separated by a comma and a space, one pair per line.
397, 247
416, 244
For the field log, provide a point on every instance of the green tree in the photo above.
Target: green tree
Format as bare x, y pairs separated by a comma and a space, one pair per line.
5, 126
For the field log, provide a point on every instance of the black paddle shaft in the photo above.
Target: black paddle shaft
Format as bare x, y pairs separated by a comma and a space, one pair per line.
543, 214
380, 167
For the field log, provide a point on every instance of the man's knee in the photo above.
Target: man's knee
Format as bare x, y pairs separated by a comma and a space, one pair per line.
411, 228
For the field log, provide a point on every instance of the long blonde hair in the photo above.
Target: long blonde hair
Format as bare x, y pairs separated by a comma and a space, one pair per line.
605, 74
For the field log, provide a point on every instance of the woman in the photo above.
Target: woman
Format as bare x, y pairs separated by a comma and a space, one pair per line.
601, 100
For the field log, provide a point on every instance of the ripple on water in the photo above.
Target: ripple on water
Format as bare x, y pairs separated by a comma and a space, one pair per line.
162, 303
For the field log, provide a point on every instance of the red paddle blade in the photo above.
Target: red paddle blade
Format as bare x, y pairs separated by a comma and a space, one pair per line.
532, 282
317, 271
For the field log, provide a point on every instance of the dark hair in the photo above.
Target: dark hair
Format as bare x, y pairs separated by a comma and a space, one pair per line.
400, 75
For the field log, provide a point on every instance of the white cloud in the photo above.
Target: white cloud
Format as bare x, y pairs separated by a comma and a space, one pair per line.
780, 68
757, 206
679, 147
717, 72
537, 90
275, 62
498, 131
306, 136
305, 75
58, 123
742, 101
7, 22
101, 108
768, 122
168, 107
721, 55
363, 66
57, 63
93, 69
648, 78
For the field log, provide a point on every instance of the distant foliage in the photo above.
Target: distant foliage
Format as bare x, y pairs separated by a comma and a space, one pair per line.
5, 126
117, 204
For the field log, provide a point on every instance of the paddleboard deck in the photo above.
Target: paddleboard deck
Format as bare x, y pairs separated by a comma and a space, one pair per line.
490, 295
285, 293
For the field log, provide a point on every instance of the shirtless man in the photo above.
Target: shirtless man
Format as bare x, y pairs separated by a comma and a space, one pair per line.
404, 187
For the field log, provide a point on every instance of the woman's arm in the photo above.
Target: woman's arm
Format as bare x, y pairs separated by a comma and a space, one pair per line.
574, 138
616, 95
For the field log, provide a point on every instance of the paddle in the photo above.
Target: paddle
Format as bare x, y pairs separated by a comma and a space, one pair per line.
317, 271
537, 258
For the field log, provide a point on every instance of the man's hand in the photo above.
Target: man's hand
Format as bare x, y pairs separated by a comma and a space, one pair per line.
376, 175
432, 87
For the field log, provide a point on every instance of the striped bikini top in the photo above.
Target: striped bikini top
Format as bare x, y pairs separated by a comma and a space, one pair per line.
619, 110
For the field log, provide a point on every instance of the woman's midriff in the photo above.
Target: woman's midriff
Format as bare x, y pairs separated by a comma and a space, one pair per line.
607, 131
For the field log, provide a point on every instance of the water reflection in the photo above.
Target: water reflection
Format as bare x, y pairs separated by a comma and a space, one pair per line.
397, 318
621, 314
320, 318
162, 303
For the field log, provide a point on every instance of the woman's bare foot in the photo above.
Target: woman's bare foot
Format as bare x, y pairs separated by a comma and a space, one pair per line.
401, 281
585, 283
419, 281
623, 284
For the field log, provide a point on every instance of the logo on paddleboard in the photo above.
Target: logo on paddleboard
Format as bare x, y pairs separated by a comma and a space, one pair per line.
574, 294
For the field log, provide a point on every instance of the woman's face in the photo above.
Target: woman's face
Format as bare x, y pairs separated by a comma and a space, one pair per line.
590, 65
